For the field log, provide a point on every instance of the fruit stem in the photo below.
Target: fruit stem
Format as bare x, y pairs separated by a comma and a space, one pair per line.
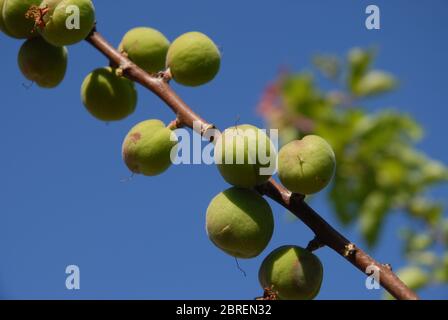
175, 124
166, 75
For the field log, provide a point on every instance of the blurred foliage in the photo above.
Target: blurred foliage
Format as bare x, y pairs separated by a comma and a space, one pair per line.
380, 171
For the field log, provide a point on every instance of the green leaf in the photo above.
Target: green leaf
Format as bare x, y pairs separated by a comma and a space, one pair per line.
414, 277
380, 170
359, 61
426, 209
373, 83
372, 213
419, 242
301, 96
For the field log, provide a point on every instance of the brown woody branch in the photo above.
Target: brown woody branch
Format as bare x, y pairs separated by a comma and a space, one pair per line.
324, 232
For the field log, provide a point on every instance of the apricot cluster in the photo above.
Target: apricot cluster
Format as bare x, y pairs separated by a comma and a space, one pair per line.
48, 26
239, 220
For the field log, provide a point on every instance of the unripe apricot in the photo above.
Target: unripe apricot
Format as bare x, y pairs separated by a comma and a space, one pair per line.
42, 62
193, 59
293, 273
146, 47
240, 222
2, 22
306, 166
14, 20
147, 148
245, 156
59, 25
108, 97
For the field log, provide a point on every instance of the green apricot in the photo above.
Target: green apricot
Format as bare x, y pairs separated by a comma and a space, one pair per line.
61, 14
14, 20
42, 62
146, 47
306, 166
293, 273
108, 97
245, 156
193, 59
147, 148
2, 22
240, 222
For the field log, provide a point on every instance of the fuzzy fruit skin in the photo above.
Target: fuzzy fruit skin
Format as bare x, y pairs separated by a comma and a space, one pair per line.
55, 30
244, 139
107, 96
146, 47
42, 63
193, 59
14, 22
2, 22
240, 222
306, 166
292, 272
147, 147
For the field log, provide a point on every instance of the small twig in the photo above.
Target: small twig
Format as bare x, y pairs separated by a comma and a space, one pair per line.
314, 245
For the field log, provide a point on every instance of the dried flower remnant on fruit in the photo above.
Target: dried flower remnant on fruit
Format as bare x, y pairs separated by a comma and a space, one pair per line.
14, 18
268, 294
62, 24
37, 13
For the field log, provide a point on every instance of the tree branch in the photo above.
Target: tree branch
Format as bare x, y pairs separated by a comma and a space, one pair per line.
325, 233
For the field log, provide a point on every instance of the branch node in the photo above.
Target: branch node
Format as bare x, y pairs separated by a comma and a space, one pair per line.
387, 265
314, 245
119, 72
299, 196
207, 127
349, 249
124, 66
166, 75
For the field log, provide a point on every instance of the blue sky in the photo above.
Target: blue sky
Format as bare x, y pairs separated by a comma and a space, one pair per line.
62, 199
